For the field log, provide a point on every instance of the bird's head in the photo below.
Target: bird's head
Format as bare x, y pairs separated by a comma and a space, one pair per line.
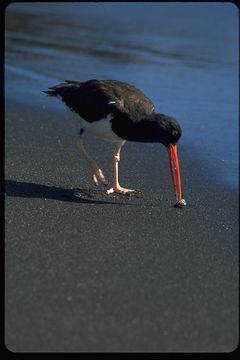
169, 130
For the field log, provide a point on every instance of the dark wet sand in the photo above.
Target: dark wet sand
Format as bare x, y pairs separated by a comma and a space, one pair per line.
87, 272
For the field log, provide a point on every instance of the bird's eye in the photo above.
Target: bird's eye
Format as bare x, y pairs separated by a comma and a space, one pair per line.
174, 132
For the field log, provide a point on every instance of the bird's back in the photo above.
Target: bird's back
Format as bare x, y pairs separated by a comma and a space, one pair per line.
95, 99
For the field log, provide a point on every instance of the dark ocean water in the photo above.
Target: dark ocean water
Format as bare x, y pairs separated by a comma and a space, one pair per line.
184, 56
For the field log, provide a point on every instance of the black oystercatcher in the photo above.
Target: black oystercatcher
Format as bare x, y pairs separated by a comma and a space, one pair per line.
116, 111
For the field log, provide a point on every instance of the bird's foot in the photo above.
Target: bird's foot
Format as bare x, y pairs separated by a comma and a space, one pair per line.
120, 190
97, 175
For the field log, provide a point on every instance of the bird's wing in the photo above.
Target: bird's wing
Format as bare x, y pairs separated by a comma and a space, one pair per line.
127, 98
95, 99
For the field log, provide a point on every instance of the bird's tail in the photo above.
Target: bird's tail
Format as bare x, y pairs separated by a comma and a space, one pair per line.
50, 92
60, 88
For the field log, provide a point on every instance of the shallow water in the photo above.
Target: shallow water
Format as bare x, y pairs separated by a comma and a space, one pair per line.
184, 56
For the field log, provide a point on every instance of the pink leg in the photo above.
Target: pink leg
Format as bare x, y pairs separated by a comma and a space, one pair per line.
116, 187
97, 173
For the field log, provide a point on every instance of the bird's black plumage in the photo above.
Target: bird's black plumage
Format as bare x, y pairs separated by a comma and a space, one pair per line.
94, 99
133, 116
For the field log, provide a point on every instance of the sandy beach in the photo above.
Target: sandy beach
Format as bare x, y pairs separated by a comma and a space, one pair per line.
86, 271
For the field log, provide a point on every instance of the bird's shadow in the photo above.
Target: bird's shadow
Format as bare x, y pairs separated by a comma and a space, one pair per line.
32, 190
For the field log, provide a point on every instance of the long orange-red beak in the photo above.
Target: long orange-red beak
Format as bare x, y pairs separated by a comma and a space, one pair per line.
175, 171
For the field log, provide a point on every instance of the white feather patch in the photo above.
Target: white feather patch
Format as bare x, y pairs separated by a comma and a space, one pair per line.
101, 128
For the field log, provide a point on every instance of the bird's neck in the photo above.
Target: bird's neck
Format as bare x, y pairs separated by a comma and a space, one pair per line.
144, 129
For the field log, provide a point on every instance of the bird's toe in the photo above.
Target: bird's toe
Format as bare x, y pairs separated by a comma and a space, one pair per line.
122, 191
98, 176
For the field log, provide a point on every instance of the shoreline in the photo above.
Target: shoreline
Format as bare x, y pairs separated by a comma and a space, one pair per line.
188, 153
